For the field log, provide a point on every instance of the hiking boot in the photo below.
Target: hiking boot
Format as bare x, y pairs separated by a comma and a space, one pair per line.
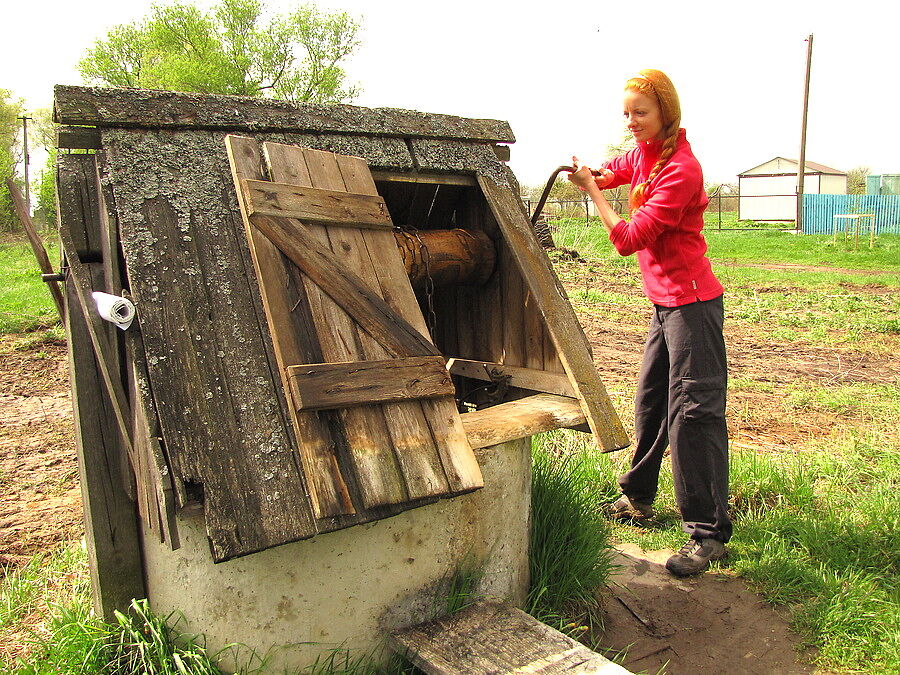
625, 508
694, 556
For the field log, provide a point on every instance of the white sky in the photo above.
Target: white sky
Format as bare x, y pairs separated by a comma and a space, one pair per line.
555, 71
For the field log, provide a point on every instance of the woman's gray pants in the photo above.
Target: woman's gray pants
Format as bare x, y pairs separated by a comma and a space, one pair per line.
680, 403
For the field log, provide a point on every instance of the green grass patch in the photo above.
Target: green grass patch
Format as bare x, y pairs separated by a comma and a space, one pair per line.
570, 552
804, 249
25, 302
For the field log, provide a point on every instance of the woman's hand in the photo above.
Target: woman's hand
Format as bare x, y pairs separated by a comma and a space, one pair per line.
605, 178
582, 177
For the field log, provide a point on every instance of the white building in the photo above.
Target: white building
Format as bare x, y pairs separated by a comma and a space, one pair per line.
769, 191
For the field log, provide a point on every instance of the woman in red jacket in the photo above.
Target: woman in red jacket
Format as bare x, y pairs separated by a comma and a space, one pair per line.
680, 399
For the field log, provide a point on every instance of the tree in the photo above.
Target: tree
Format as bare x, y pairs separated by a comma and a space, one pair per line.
856, 180
231, 49
10, 110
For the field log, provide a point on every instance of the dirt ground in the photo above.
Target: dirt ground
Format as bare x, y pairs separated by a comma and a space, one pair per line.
681, 623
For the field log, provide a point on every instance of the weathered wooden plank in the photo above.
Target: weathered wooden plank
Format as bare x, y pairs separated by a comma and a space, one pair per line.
312, 205
78, 138
343, 286
425, 178
417, 429
526, 378
340, 385
512, 291
493, 637
559, 317
370, 457
214, 385
518, 419
37, 246
164, 109
111, 522
294, 339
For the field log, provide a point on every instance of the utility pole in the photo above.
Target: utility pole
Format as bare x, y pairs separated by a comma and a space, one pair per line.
801, 169
25, 147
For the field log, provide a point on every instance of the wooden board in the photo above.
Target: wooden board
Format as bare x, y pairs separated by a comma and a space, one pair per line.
558, 316
204, 337
95, 106
111, 519
526, 378
490, 637
341, 385
524, 417
324, 207
362, 309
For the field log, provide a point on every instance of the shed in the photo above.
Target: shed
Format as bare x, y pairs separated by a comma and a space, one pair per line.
306, 359
768, 191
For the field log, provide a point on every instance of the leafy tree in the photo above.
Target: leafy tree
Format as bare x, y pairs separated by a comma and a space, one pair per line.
856, 180
231, 49
10, 109
43, 133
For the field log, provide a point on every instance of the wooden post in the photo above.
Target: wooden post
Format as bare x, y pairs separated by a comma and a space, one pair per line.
801, 169
111, 520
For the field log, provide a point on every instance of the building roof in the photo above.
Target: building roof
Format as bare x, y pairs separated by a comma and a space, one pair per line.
811, 167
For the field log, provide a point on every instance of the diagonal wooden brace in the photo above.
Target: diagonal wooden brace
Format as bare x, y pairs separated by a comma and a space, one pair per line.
390, 329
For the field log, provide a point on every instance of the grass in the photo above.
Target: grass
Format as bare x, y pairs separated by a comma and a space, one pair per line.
25, 302
570, 553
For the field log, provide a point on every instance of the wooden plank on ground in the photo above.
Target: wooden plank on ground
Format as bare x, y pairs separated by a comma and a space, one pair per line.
491, 637
312, 205
341, 385
559, 317
517, 419
287, 308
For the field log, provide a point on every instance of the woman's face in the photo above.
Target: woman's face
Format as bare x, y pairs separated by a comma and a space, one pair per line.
643, 116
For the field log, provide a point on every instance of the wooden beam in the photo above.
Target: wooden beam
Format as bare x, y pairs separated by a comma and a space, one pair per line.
424, 178
37, 246
559, 317
312, 205
112, 536
345, 288
492, 637
525, 378
517, 419
78, 138
95, 106
321, 386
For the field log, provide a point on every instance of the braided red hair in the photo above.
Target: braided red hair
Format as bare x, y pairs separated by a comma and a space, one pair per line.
656, 84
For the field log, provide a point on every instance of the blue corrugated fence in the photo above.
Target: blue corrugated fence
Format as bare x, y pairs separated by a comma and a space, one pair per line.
819, 212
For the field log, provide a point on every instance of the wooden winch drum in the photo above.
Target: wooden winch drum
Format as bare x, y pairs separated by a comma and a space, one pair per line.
449, 257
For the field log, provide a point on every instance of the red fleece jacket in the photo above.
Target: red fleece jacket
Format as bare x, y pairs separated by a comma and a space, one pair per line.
666, 231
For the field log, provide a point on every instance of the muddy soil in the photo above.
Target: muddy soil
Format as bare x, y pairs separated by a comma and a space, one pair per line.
706, 624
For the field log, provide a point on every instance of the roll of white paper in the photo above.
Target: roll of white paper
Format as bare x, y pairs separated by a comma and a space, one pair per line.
114, 309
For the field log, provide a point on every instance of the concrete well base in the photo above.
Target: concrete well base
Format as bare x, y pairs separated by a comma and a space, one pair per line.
349, 588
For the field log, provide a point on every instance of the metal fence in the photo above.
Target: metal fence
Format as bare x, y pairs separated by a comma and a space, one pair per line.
823, 214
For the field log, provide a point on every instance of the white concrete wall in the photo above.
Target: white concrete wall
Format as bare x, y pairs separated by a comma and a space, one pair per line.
347, 588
